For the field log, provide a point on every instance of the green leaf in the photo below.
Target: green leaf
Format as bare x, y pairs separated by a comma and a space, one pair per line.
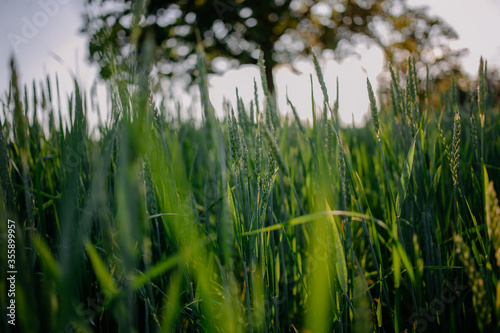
406, 261
436, 179
105, 279
396, 264
49, 262
156, 270
230, 202
478, 234
314, 216
340, 263
379, 313
405, 177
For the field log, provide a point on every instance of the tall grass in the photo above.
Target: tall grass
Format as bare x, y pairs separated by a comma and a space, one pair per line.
253, 222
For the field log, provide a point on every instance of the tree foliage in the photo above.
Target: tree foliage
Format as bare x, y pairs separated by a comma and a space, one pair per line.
282, 29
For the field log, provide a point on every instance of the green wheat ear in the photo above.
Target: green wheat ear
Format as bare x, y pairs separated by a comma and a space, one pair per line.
373, 107
481, 90
268, 99
481, 101
455, 149
493, 220
262, 68
5, 180
234, 138
275, 150
321, 79
482, 305
342, 174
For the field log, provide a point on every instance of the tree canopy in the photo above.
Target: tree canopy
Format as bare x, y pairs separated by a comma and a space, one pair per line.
282, 29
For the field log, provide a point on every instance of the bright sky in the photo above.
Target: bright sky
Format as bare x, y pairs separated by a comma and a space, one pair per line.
39, 31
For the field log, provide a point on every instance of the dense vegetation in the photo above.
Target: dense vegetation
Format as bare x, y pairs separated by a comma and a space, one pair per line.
254, 222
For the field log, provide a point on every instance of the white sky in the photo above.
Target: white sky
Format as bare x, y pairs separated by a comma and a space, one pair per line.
476, 21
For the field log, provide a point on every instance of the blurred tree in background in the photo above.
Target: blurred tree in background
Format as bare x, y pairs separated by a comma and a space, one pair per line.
283, 29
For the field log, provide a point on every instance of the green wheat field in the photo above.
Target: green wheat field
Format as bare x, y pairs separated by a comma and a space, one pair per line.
253, 222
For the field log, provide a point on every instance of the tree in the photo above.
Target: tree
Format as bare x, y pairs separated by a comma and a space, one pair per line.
282, 29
